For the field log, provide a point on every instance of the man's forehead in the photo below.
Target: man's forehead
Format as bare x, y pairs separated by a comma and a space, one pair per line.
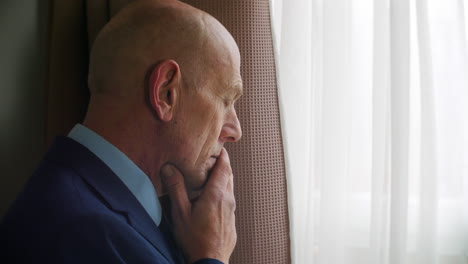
232, 89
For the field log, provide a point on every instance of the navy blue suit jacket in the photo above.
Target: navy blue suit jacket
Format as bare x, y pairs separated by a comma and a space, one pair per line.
74, 209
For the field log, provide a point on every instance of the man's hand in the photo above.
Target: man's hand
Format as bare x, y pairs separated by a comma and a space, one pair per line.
204, 228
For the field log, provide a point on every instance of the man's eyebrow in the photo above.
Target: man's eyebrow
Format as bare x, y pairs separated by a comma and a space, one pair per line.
238, 90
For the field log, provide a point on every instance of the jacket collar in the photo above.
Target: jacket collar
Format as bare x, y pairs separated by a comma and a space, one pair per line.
110, 187
129, 173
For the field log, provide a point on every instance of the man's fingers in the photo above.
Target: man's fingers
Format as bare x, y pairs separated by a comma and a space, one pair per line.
173, 183
230, 185
221, 173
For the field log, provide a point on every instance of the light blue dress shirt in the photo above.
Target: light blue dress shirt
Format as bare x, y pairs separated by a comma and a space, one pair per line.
130, 174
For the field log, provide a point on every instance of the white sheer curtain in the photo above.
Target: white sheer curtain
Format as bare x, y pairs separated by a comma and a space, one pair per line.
374, 97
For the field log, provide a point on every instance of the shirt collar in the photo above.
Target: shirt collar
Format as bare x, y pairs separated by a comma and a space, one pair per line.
130, 174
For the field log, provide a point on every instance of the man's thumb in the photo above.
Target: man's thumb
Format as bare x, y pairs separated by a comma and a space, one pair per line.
173, 182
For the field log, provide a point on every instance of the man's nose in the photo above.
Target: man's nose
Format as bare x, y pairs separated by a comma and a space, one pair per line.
231, 131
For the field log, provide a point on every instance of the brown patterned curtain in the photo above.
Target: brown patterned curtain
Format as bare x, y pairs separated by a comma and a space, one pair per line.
258, 160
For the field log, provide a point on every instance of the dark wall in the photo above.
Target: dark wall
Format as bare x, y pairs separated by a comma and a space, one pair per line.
23, 71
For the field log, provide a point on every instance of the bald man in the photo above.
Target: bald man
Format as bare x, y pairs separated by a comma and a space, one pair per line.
164, 78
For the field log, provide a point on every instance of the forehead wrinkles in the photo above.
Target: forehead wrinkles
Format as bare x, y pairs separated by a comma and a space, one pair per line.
224, 72
228, 89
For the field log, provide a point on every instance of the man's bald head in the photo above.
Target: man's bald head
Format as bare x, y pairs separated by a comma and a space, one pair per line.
146, 32
164, 78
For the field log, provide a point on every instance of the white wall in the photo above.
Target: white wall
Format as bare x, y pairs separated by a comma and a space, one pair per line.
23, 69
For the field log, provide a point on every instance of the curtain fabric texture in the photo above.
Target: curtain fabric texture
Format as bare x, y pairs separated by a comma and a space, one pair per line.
374, 100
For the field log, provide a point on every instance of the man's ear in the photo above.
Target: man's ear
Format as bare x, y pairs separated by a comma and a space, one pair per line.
164, 83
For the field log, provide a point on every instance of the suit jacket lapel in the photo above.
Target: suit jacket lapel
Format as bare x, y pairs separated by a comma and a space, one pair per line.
111, 188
